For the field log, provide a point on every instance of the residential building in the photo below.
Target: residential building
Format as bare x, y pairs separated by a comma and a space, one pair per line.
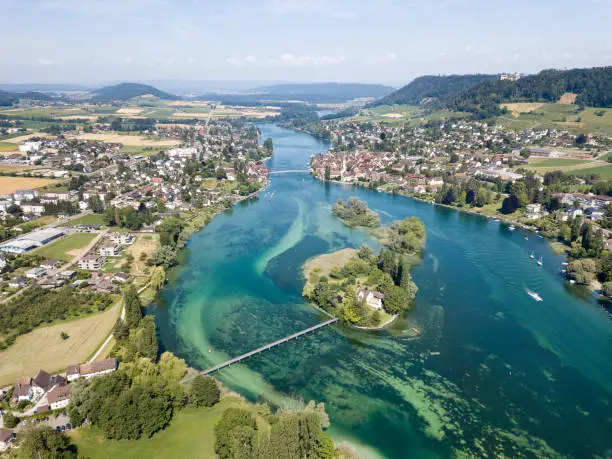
59, 396
7, 437
91, 262
372, 299
90, 370
111, 250
35, 273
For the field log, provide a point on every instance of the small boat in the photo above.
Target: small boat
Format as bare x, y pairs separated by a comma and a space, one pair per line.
526, 237
534, 295
572, 281
541, 261
531, 255
496, 219
540, 236
512, 228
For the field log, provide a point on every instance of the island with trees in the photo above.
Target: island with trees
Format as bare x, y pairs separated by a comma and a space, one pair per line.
364, 289
355, 213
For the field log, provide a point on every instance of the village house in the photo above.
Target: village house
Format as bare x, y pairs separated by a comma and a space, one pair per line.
533, 211
372, 299
32, 389
90, 370
59, 396
35, 273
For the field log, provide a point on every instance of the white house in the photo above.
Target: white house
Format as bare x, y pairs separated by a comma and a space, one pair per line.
372, 299
533, 211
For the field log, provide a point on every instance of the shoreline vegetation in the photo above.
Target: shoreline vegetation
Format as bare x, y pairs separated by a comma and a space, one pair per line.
582, 246
361, 289
355, 213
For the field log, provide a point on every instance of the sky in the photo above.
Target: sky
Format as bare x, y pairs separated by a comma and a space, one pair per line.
382, 41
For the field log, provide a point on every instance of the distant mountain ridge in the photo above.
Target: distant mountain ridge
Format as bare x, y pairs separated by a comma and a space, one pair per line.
345, 91
125, 91
433, 87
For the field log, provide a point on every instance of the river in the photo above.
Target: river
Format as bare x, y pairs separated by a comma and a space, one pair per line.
493, 372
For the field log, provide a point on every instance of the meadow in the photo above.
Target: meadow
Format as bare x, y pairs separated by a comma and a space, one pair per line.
190, 434
44, 348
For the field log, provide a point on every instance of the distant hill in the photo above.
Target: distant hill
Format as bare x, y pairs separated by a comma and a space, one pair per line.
9, 98
593, 87
432, 87
125, 91
338, 91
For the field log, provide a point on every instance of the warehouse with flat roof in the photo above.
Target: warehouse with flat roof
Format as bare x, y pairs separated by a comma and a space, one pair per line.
31, 241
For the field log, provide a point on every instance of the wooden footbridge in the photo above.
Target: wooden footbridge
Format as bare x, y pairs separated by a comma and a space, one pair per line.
267, 347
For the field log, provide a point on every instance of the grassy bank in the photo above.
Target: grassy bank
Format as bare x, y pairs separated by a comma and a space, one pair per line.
189, 435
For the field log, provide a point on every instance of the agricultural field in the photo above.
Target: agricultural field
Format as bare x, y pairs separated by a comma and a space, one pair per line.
10, 169
44, 348
8, 147
11, 184
190, 434
572, 166
560, 116
521, 107
67, 247
129, 140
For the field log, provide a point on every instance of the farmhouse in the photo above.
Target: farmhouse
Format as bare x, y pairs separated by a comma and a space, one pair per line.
59, 396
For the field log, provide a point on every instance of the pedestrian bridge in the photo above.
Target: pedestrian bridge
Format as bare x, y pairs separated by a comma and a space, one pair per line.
267, 347
295, 171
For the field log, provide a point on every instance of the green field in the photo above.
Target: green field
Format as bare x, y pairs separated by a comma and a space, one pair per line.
90, 219
189, 435
60, 248
604, 172
558, 163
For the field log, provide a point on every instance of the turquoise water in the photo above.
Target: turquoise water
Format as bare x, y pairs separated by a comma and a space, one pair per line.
493, 372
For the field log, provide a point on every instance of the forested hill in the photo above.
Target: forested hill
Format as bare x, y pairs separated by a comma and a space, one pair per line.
593, 87
341, 91
125, 91
433, 87
10, 98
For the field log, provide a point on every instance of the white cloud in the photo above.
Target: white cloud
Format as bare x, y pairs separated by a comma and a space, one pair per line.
44, 62
285, 60
128, 60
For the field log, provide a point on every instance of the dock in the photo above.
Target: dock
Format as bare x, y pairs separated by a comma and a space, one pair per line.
267, 347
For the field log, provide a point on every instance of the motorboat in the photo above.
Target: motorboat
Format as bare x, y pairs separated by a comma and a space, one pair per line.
534, 295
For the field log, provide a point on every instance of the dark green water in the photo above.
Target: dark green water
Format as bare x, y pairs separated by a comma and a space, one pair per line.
494, 372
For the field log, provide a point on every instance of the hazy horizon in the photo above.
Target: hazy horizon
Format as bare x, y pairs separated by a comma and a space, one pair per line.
386, 42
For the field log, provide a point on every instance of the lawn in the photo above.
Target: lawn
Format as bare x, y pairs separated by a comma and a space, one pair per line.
189, 435
90, 219
67, 247
44, 348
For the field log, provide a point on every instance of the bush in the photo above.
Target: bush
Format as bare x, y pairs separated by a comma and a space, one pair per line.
204, 391
10, 420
